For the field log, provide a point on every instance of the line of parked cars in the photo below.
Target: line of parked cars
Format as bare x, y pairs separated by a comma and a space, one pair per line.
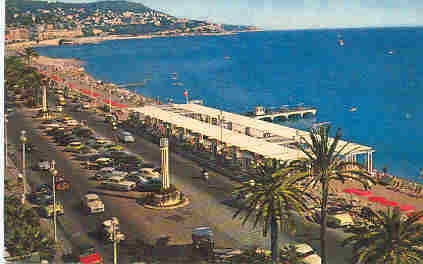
115, 168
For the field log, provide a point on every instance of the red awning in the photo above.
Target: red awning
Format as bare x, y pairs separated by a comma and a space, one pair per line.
389, 203
357, 192
377, 199
405, 208
115, 104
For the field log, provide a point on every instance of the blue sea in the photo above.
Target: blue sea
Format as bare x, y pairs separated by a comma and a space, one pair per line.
377, 71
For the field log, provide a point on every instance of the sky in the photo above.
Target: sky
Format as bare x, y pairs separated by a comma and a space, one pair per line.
292, 14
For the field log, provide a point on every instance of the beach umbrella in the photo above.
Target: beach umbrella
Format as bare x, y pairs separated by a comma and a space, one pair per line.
389, 203
405, 208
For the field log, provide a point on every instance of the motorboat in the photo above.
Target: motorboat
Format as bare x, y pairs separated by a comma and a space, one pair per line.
353, 109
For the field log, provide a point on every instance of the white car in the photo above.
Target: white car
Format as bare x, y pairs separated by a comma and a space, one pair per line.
125, 136
49, 125
119, 183
92, 203
44, 165
107, 174
149, 173
71, 122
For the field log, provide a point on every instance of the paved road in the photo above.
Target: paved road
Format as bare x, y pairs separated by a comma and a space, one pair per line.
149, 225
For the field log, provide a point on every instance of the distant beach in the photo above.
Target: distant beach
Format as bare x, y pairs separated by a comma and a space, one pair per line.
99, 39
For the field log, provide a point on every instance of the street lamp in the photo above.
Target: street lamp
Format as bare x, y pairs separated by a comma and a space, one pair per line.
5, 137
23, 140
110, 99
54, 173
115, 241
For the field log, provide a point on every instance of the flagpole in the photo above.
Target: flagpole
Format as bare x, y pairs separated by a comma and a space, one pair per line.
186, 96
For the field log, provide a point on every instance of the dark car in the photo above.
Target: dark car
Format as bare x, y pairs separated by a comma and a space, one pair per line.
62, 133
67, 140
129, 160
149, 186
129, 166
85, 150
43, 188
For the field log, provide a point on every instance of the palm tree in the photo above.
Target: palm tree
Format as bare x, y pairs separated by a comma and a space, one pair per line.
324, 157
389, 238
29, 54
272, 198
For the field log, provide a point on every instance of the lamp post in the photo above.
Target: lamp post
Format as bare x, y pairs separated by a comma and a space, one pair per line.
54, 172
23, 140
110, 99
114, 243
5, 138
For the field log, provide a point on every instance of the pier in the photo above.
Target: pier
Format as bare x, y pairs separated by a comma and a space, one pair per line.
282, 114
126, 85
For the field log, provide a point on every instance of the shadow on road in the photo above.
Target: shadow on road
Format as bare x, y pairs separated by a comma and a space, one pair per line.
161, 251
130, 195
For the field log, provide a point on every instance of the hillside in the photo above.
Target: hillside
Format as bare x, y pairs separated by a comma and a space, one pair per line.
101, 18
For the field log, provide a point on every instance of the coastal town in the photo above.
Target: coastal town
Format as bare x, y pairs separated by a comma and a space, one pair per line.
95, 173
38, 21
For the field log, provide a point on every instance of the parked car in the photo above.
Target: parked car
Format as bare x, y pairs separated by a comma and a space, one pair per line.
62, 184
129, 166
110, 147
149, 186
67, 140
135, 177
71, 122
85, 253
125, 136
92, 203
86, 150
47, 209
74, 146
105, 175
149, 173
118, 183
43, 165
48, 123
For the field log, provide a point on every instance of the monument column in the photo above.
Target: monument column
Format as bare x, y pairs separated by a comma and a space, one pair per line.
164, 151
44, 102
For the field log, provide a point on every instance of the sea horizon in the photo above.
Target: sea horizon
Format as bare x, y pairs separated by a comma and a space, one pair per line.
285, 67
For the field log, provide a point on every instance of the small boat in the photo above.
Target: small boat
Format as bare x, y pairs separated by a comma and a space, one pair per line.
353, 109
390, 52
177, 84
340, 42
227, 58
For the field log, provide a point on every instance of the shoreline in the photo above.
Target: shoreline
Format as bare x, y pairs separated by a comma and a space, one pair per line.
78, 64
99, 39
